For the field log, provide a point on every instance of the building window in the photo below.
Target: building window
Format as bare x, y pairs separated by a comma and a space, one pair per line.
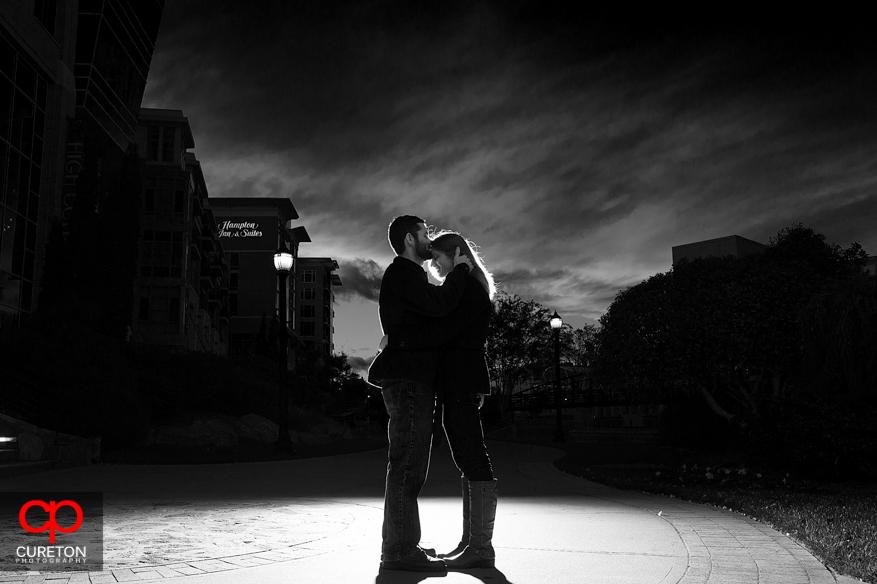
308, 293
153, 136
160, 308
160, 144
143, 313
308, 329
149, 200
179, 202
309, 276
308, 311
233, 304
167, 144
243, 344
234, 259
162, 254
173, 304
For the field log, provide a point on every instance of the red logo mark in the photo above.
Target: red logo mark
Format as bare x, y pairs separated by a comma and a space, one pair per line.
51, 508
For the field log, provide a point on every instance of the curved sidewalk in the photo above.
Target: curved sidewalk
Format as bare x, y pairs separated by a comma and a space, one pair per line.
319, 520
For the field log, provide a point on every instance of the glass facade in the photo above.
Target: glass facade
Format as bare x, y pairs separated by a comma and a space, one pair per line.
114, 45
45, 11
22, 126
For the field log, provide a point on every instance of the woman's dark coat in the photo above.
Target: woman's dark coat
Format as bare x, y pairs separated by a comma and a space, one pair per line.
460, 338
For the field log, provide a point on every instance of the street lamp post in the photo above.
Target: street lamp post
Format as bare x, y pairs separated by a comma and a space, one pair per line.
283, 264
556, 322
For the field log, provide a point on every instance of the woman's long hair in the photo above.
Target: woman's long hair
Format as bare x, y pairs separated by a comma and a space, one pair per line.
447, 242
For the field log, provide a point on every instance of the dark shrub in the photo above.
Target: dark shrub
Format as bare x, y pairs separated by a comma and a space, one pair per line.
816, 439
691, 423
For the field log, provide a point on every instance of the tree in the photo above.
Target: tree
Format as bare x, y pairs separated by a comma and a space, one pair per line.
327, 383
828, 261
517, 342
839, 335
724, 328
520, 344
578, 345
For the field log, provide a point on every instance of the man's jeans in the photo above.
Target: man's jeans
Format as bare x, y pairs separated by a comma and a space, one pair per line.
462, 422
410, 406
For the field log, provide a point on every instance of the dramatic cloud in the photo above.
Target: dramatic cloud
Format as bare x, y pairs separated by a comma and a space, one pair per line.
359, 364
360, 278
575, 152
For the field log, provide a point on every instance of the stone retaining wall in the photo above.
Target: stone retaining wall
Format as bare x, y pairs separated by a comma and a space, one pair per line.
63, 450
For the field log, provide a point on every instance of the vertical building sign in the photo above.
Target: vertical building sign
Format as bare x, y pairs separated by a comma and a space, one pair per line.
75, 159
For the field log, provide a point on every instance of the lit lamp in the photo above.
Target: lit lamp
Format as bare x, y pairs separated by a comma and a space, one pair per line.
283, 261
283, 264
556, 322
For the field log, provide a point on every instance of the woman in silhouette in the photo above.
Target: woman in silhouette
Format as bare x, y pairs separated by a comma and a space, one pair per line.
461, 383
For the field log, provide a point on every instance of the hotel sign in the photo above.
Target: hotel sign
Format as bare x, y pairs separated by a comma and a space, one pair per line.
73, 166
234, 229
247, 232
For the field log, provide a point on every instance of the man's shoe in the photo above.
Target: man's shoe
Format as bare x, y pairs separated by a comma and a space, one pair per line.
416, 562
429, 551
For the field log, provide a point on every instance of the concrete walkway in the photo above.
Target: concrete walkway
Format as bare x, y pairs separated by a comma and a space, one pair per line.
318, 520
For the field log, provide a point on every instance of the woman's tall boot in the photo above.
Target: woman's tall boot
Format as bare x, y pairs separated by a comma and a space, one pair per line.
482, 515
464, 541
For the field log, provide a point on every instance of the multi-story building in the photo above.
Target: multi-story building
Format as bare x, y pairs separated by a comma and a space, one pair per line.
251, 231
72, 75
35, 99
731, 245
181, 297
316, 312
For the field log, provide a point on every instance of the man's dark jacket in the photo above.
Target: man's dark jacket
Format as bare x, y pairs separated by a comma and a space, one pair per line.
407, 296
460, 338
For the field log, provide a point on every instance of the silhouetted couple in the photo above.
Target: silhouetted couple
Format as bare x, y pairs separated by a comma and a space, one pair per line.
433, 353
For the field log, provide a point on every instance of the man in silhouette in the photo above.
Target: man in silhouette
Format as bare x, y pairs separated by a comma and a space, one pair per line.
405, 377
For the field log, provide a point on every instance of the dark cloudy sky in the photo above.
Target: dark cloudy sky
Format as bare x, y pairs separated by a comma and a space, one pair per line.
575, 148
